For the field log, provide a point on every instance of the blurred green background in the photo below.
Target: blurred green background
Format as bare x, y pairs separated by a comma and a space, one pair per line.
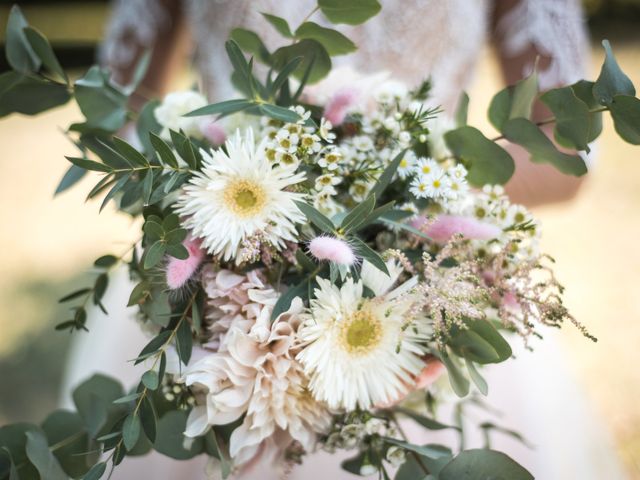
46, 244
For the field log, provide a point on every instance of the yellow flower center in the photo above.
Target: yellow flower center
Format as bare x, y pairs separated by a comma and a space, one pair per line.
362, 332
244, 197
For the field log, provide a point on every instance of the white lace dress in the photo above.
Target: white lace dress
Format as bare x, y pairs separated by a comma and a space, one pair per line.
412, 39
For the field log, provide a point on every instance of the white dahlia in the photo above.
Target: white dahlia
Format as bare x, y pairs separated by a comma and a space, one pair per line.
239, 195
359, 351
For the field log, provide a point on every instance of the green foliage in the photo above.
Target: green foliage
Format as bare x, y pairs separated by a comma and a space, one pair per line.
38, 453
29, 94
170, 440
487, 162
20, 54
514, 101
315, 59
542, 150
163, 236
353, 12
612, 80
480, 464
573, 127
333, 41
480, 342
103, 104
625, 111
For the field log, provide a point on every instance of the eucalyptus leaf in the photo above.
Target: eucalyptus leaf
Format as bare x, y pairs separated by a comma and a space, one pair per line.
488, 162
316, 59
251, 43
335, 42
279, 113
367, 253
475, 376
96, 472
43, 50
223, 108
573, 123
352, 12
170, 439
317, 218
20, 54
72, 176
102, 104
280, 24
29, 95
154, 254
131, 429
38, 452
482, 464
612, 80
458, 381
542, 150
625, 111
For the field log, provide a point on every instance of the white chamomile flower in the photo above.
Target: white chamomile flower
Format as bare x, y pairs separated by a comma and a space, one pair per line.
494, 192
238, 194
359, 351
359, 190
518, 214
363, 143
427, 166
437, 184
287, 159
419, 187
407, 164
458, 173
395, 456
327, 180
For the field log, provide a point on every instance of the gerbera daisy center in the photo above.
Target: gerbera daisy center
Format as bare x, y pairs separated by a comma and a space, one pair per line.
244, 198
361, 332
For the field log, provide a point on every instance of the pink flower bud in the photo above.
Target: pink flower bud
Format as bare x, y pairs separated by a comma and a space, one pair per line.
213, 132
333, 249
446, 226
180, 271
337, 108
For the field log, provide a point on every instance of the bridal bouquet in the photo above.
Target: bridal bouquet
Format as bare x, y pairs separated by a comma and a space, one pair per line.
312, 258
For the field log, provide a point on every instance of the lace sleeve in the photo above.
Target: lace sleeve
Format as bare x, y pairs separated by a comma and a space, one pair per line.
134, 25
555, 28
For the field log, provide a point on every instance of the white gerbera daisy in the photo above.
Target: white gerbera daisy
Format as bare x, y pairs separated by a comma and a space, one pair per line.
362, 351
238, 194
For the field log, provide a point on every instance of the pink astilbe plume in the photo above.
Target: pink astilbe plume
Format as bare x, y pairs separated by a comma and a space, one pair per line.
332, 249
446, 226
180, 271
338, 106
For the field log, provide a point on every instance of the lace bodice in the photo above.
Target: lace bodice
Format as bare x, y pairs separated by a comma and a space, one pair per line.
413, 39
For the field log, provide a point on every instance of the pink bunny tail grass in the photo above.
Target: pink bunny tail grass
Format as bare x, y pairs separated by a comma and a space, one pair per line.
180, 271
446, 226
336, 109
333, 249
214, 133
